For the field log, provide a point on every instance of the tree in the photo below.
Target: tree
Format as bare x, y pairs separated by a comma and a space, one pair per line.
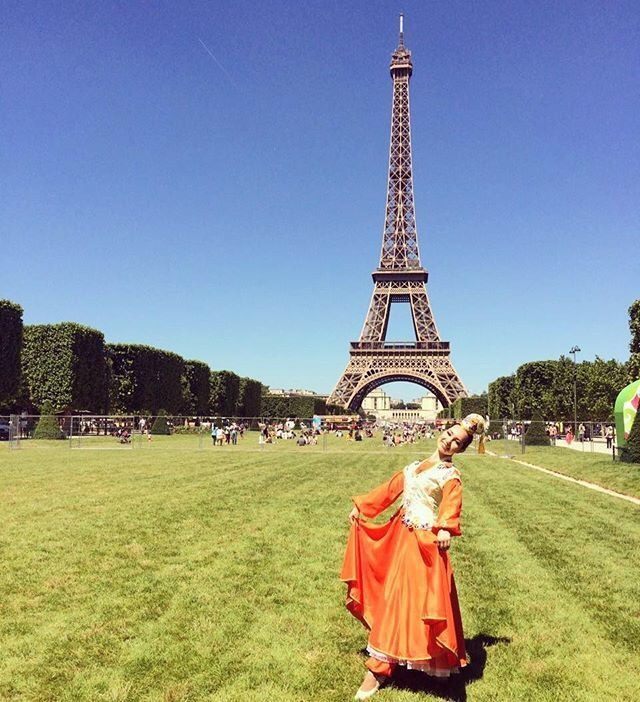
600, 382
562, 389
66, 365
196, 388
634, 326
536, 434
47, 427
631, 452
633, 367
11, 331
468, 405
500, 397
225, 388
144, 378
249, 398
160, 426
534, 388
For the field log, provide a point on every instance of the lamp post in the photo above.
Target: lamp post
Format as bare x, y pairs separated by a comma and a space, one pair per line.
574, 350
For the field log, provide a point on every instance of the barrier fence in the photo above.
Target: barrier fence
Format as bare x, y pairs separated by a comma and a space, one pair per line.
509, 437
127, 432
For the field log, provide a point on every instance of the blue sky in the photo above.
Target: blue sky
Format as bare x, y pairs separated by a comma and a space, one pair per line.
210, 177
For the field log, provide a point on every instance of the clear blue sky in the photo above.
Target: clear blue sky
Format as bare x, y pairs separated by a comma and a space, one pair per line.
210, 177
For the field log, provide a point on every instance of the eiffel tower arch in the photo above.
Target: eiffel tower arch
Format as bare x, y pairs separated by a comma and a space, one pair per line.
399, 278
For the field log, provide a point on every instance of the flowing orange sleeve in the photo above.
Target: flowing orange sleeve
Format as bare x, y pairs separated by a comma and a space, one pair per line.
450, 508
376, 501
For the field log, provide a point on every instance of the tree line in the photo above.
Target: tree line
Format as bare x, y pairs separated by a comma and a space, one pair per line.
547, 387
71, 367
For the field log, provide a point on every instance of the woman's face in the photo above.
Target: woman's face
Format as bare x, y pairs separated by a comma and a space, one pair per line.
453, 440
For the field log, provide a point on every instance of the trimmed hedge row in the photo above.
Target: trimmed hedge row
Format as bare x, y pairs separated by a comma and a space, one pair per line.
66, 365
225, 390
468, 405
500, 397
196, 390
304, 407
144, 379
11, 332
249, 397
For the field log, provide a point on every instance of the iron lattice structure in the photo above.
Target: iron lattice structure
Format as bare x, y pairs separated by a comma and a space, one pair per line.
400, 278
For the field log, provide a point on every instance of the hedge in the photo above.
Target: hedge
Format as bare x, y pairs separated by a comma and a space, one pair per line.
144, 379
631, 452
302, 406
536, 433
225, 389
249, 398
11, 331
500, 398
47, 426
467, 405
65, 364
160, 426
197, 381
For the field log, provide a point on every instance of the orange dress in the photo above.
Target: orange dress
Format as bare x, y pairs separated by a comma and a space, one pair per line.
399, 583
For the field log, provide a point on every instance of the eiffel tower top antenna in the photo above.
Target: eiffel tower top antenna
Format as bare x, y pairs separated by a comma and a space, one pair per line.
401, 42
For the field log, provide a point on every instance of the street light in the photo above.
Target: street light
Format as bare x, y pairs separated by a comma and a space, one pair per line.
574, 350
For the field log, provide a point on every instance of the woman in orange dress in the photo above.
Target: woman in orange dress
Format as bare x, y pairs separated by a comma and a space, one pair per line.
399, 579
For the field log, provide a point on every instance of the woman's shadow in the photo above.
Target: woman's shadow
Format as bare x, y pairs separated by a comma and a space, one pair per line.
453, 688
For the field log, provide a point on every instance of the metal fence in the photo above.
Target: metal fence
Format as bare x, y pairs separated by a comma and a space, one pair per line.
509, 436
126, 432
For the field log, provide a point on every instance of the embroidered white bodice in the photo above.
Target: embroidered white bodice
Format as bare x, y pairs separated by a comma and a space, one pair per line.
423, 493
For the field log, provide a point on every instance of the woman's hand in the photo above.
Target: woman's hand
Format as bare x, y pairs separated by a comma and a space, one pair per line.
354, 515
443, 539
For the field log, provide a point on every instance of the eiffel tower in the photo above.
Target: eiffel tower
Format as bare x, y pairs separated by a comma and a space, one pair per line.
399, 278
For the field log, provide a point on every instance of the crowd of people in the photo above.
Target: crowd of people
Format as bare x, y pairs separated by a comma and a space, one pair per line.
227, 433
304, 435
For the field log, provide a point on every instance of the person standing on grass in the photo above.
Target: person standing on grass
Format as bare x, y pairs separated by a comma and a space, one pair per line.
399, 579
609, 436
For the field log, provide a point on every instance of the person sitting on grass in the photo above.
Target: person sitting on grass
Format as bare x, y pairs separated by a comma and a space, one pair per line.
125, 437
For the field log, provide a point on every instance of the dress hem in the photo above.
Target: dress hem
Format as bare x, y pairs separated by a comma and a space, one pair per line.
428, 666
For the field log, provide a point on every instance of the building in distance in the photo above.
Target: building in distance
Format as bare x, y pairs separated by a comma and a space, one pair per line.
379, 404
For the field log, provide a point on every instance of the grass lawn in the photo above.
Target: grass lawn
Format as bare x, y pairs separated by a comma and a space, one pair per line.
182, 575
597, 468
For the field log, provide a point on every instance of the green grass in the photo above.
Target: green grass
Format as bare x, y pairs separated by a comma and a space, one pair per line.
183, 575
598, 468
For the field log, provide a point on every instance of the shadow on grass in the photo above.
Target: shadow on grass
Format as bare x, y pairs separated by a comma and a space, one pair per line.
453, 688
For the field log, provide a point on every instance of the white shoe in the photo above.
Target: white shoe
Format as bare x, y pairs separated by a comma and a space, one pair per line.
365, 694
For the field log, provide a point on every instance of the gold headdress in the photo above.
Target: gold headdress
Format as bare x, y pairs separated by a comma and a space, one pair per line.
473, 423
